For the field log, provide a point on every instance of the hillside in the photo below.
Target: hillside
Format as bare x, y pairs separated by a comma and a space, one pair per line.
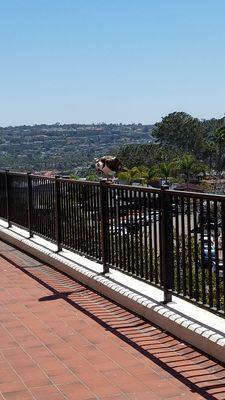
66, 148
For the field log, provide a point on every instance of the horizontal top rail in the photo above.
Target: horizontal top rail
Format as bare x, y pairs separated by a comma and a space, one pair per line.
47, 178
197, 195
144, 189
22, 174
70, 180
136, 188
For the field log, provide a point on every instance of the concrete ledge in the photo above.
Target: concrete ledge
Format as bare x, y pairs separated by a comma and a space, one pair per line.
188, 322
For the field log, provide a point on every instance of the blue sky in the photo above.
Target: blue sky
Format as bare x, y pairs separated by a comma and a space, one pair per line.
108, 61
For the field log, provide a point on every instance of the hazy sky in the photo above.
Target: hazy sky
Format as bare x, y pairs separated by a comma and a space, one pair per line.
110, 60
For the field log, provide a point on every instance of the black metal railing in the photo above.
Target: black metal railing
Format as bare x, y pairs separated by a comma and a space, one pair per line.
198, 247
80, 216
172, 239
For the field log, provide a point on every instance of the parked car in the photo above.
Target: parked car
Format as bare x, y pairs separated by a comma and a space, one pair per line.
177, 208
206, 259
154, 216
207, 240
118, 230
220, 267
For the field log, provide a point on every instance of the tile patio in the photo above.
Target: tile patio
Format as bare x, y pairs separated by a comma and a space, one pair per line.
60, 340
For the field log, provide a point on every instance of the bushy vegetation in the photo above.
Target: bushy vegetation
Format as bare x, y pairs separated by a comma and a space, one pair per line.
184, 147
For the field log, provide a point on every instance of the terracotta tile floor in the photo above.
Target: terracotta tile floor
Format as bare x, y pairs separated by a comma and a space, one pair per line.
60, 340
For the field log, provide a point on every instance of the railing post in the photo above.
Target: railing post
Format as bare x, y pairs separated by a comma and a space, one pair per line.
104, 213
223, 248
29, 204
166, 242
58, 232
7, 197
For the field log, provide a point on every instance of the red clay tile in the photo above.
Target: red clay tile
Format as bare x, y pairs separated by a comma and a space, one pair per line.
18, 395
116, 397
88, 348
12, 386
76, 391
61, 379
47, 393
7, 375
144, 396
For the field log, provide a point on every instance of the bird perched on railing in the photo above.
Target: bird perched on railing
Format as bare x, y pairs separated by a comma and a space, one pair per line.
109, 166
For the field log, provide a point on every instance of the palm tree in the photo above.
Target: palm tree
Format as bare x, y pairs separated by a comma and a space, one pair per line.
188, 165
167, 169
93, 178
152, 173
74, 176
135, 173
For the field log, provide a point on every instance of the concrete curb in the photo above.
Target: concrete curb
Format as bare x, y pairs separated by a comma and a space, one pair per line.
205, 338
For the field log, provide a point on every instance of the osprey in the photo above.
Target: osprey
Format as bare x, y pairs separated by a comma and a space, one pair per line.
109, 165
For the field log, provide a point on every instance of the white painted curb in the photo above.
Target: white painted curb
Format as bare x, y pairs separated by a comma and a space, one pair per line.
208, 337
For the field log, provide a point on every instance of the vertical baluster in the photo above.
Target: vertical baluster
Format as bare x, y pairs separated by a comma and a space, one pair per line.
209, 255
151, 274
166, 244
223, 251
112, 218
104, 204
216, 261
90, 211
141, 271
96, 222
99, 222
183, 248
132, 227
178, 282
74, 206
57, 215
85, 214
155, 240
137, 227
128, 211
124, 232
190, 283
202, 251
29, 204
78, 233
147, 222
7, 195
196, 258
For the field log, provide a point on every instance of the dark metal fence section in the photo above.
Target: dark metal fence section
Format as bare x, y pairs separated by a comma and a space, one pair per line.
172, 239
16, 200
198, 249
3, 203
80, 216
135, 232
43, 206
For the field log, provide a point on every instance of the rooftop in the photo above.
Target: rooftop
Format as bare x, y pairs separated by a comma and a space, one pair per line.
62, 340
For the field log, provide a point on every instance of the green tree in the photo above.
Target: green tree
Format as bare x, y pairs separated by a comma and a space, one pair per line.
181, 132
133, 174
152, 173
189, 166
93, 178
219, 139
74, 176
210, 154
146, 155
166, 170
